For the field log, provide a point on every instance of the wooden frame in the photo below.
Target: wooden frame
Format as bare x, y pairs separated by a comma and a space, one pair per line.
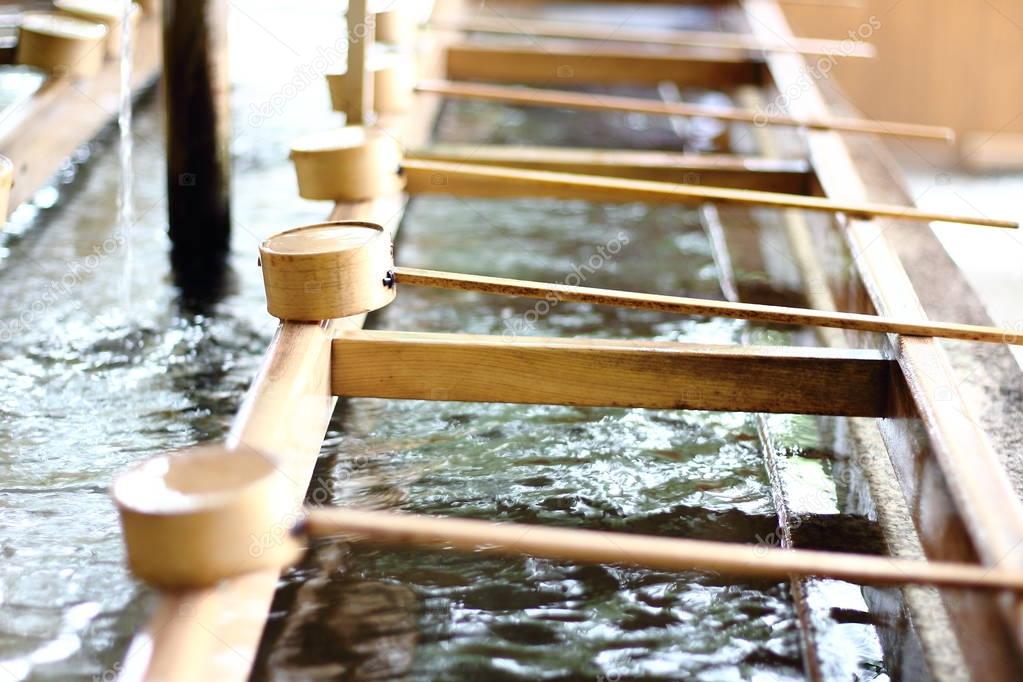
915, 386
768, 175
610, 373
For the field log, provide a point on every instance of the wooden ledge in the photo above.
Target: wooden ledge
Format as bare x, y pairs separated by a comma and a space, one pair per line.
611, 373
718, 170
568, 64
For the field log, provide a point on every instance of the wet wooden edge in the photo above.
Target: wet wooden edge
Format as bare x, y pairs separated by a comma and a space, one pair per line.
939, 450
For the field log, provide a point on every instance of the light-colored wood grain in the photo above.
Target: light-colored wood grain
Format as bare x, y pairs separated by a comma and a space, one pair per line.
194, 517
445, 178
63, 45
613, 34
769, 175
6, 178
327, 271
394, 77
972, 471
286, 411
701, 307
213, 633
40, 133
397, 24
541, 97
110, 15
609, 373
353, 163
659, 553
359, 81
567, 64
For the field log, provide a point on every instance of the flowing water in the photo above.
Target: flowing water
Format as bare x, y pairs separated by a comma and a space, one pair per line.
86, 390
126, 195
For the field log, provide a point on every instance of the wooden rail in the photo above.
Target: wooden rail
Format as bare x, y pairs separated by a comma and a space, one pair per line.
972, 470
566, 63
610, 373
791, 176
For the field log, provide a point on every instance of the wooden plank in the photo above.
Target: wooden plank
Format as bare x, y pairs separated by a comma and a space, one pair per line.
972, 472
452, 178
610, 373
574, 64
44, 130
756, 173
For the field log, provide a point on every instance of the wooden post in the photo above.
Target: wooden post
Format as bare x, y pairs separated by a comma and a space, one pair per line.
360, 42
196, 85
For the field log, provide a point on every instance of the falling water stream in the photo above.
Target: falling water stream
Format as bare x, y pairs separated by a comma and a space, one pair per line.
126, 193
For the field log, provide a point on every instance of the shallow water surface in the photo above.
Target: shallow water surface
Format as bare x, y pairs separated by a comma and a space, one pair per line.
88, 387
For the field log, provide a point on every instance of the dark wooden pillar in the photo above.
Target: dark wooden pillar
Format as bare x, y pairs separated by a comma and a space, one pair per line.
196, 90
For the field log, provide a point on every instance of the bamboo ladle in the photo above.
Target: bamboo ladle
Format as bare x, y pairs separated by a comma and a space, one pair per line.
543, 97
355, 163
333, 270
194, 518
654, 36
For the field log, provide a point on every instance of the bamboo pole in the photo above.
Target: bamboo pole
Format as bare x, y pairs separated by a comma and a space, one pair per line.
694, 306
658, 553
542, 97
360, 44
654, 36
434, 176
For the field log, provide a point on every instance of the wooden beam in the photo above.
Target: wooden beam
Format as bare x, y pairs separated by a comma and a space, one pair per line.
360, 43
466, 179
615, 33
756, 173
610, 373
574, 64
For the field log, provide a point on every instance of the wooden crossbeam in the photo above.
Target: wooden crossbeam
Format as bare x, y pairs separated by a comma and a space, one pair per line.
610, 373
757, 173
613, 33
468, 179
574, 64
